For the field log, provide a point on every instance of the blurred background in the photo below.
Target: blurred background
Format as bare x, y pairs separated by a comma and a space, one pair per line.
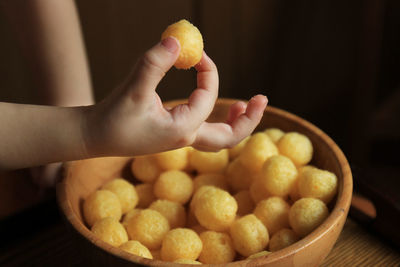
334, 63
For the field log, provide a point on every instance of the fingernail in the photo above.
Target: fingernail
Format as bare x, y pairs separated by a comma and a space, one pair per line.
261, 97
266, 98
171, 44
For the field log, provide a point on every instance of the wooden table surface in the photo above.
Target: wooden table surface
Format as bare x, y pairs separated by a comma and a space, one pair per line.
52, 246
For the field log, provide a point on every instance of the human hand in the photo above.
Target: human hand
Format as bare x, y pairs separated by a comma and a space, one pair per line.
133, 121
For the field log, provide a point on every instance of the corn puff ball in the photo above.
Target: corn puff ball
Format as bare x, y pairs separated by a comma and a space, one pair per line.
198, 229
111, 231
245, 202
256, 151
217, 248
190, 40
317, 183
174, 185
273, 212
258, 191
125, 192
146, 195
192, 220
215, 179
305, 168
235, 151
197, 194
129, 215
306, 214
297, 147
259, 254
174, 212
136, 248
282, 239
181, 243
278, 175
274, 134
186, 261
238, 176
215, 209
249, 235
145, 169
294, 194
148, 227
209, 162
101, 204
173, 160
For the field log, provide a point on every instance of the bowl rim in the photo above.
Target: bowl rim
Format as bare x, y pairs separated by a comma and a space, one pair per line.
339, 210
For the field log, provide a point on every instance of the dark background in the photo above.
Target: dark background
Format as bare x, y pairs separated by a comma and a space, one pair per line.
334, 63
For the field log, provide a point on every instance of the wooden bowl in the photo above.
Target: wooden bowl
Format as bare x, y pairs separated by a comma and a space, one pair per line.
85, 176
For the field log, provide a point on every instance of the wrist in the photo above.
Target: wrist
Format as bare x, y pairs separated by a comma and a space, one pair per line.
95, 131
88, 132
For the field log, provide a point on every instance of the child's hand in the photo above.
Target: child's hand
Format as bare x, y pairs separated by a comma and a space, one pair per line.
133, 121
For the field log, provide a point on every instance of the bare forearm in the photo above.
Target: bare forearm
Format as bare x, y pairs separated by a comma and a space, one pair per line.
51, 40
31, 135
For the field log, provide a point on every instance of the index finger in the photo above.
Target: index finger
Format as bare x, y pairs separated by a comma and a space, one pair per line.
202, 100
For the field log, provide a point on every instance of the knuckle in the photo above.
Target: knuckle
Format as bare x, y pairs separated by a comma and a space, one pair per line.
151, 62
185, 141
183, 135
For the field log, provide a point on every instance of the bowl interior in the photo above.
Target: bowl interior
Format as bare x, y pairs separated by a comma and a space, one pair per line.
84, 177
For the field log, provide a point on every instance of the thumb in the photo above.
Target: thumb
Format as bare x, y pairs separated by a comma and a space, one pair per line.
153, 65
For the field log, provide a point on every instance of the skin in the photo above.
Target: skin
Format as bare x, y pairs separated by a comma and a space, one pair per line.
49, 36
131, 121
